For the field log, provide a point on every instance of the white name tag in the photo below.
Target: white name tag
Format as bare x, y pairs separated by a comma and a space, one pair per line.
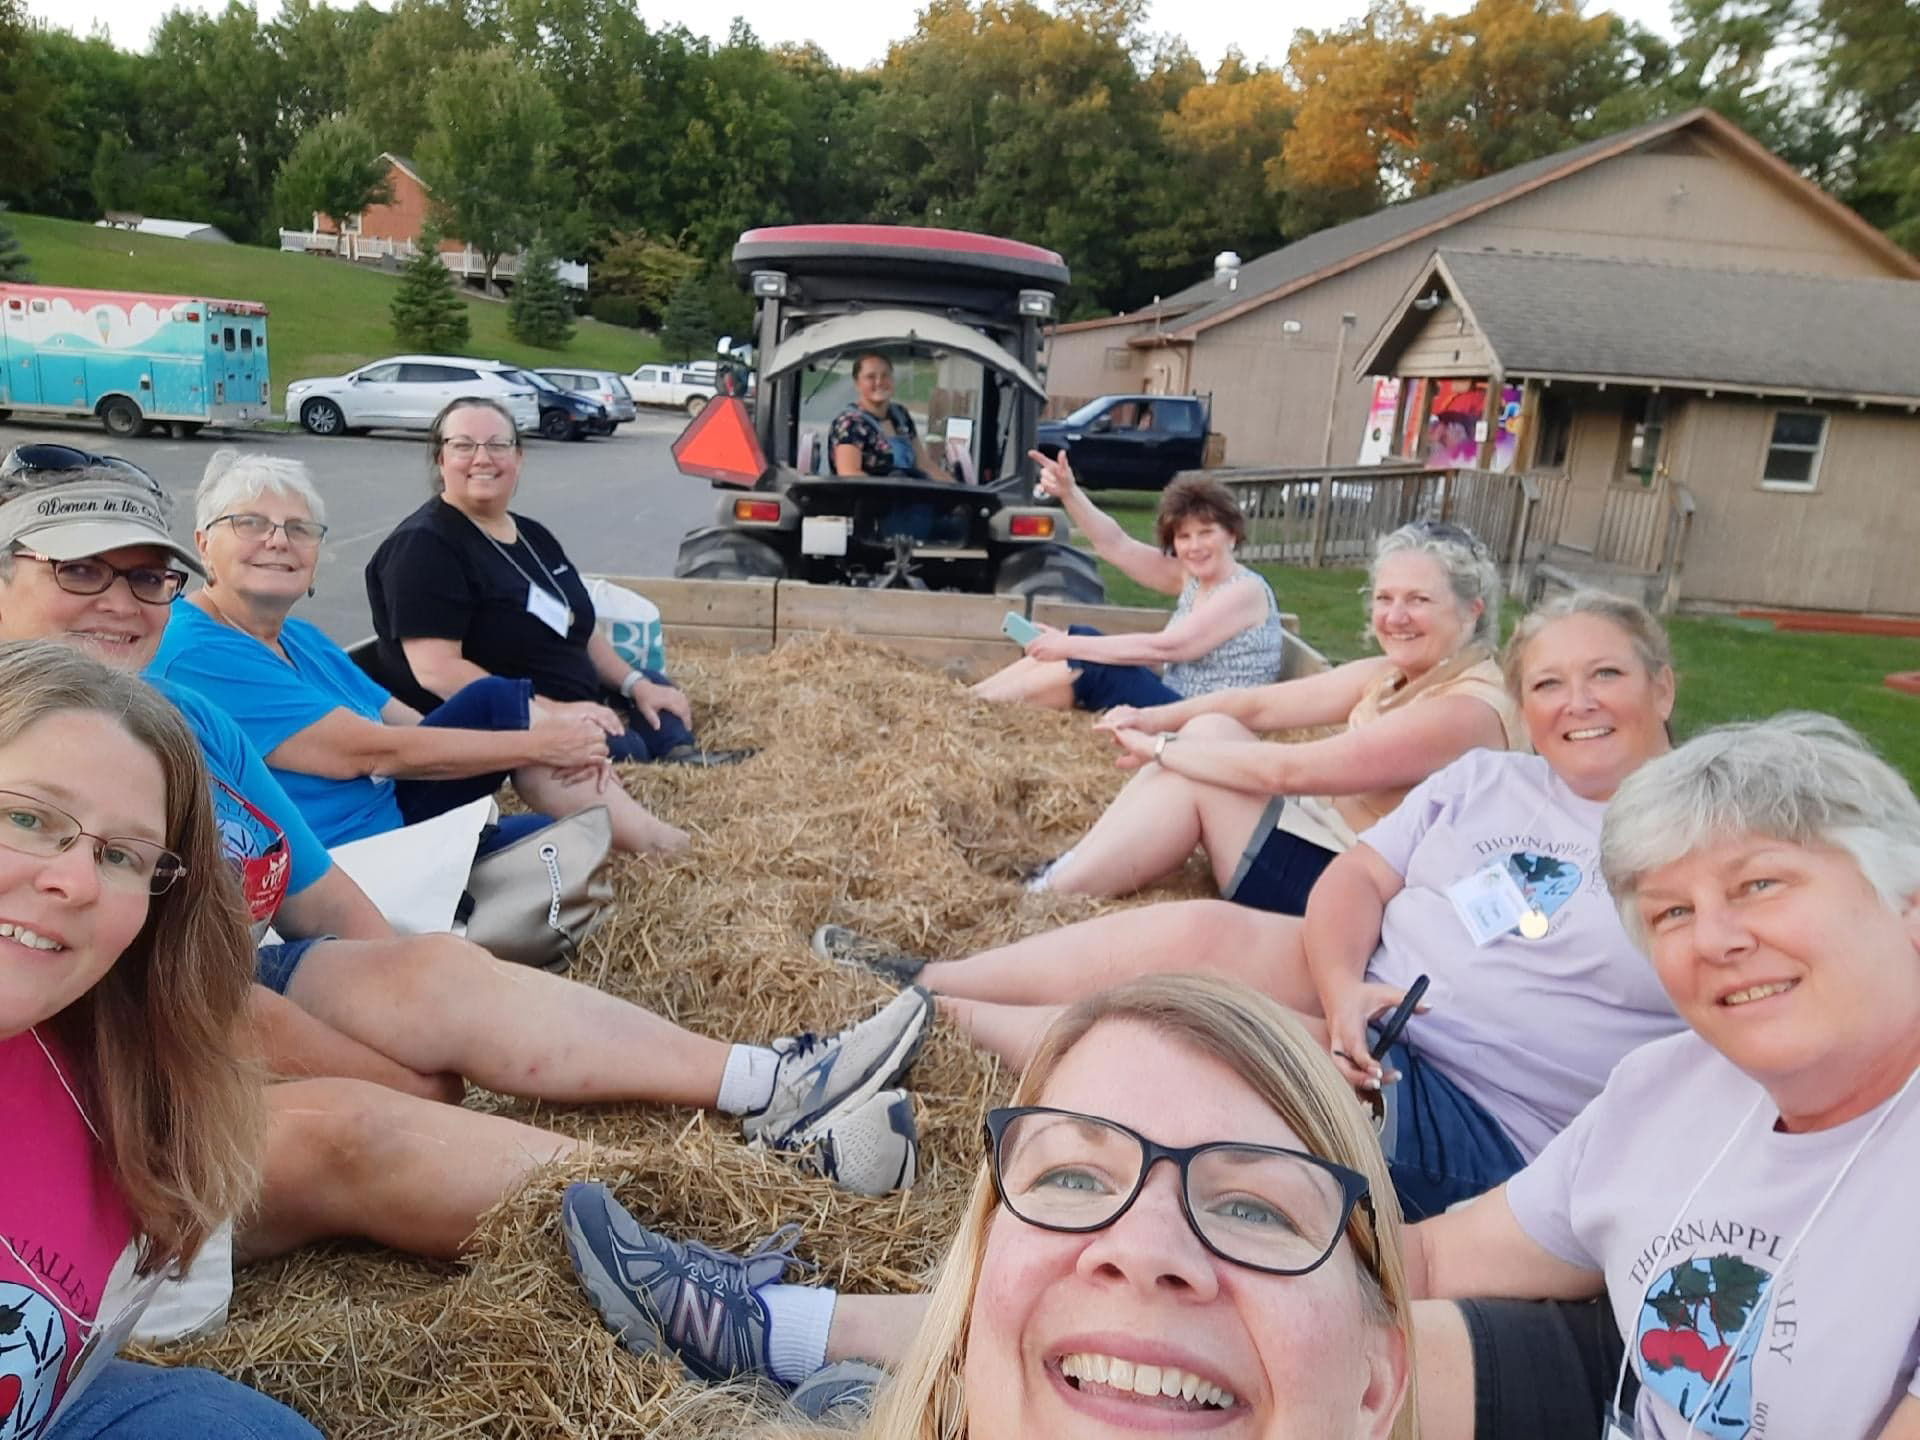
549, 611
1619, 1425
1488, 902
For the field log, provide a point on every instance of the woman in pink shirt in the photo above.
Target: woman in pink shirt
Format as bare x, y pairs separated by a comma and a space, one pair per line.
120, 989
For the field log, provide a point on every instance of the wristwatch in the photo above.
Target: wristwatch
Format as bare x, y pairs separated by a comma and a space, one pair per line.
1160, 742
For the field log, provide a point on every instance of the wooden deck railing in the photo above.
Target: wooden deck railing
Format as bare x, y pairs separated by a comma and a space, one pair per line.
1319, 516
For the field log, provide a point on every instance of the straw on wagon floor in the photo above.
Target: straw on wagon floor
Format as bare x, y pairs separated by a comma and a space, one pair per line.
883, 797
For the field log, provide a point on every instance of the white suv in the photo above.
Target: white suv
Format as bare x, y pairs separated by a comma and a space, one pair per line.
405, 392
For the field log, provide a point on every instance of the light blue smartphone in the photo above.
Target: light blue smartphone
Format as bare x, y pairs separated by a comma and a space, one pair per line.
1017, 628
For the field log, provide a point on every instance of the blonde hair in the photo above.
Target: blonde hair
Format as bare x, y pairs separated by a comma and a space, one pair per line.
152, 1043
1632, 619
1265, 1045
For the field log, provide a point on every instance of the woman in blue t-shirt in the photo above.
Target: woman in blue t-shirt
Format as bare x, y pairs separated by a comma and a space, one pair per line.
353, 758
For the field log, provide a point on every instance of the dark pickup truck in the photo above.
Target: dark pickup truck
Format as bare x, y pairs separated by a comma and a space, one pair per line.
1130, 442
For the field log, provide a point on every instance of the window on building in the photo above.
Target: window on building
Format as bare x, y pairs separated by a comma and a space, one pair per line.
1649, 419
1793, 452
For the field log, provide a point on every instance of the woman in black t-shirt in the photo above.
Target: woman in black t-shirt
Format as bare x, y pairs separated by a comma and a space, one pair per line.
875, 436
465, 588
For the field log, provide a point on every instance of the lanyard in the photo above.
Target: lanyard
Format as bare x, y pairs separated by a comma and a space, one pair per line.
1733, 1351
552, 584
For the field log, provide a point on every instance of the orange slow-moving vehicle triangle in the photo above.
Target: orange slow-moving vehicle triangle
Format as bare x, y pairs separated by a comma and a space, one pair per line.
719, 444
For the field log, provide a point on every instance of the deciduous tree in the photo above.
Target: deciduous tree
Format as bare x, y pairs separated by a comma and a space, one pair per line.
335, 170
490, 155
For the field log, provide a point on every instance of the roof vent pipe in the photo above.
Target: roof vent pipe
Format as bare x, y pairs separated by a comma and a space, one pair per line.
1226, 269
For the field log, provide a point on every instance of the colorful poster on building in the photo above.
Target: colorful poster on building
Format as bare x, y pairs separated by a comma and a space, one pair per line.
1377, 443
1455, 425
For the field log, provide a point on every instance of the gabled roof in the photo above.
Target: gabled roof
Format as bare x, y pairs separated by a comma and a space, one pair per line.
1690, 327
1328, 252
407, 165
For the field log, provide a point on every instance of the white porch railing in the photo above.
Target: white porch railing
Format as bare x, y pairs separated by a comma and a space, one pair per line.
466, 262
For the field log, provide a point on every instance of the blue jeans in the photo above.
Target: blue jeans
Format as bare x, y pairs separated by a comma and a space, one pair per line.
1441, 1146
490, 704
146, 1402
644, 742
1100, 686
273, 965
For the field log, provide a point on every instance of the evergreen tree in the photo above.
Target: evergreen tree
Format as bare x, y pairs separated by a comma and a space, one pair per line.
427, 313
540, 312
687, 328
13, 260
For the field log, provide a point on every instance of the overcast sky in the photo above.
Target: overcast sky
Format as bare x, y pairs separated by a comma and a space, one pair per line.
858, 33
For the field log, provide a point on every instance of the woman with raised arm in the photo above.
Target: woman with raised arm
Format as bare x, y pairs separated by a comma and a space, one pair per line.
356, 760
1181, 1224
1734, 1203
1224, 632
128, 1119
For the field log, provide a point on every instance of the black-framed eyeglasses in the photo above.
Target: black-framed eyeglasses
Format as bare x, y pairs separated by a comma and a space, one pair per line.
255, 528
50, 459
93, 576
1278, 1211
31, 826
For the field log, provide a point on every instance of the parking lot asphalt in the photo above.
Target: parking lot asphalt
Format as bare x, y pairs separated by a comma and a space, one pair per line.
616, 502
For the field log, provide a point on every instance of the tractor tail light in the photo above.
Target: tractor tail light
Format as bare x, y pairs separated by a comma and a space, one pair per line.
1032, 527
765, 512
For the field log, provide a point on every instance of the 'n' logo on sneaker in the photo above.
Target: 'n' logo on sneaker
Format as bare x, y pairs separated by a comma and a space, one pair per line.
697, 1323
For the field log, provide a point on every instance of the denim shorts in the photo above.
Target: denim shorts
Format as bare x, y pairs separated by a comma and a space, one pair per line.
1277, 870
273, 965
147, 1402
1543, 1367
1441, 1145
1098, 686
489, 704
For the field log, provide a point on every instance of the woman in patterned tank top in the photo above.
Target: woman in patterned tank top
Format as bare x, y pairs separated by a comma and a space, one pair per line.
1225, 630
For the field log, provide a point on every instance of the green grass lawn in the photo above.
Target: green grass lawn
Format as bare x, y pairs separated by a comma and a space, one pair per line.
1729, 669
325, 316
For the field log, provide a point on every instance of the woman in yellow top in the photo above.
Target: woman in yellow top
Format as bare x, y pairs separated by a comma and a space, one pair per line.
1271, 817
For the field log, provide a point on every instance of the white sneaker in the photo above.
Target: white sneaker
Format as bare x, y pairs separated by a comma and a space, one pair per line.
871, 1149
819, 1079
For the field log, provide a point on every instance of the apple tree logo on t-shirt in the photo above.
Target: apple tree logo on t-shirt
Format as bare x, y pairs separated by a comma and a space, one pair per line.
1691, 1319
33, 1346
1547, 881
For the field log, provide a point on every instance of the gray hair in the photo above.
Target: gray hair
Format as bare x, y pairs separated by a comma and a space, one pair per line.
1801, 778
1467, 564
236, 475
1632, 619
27, 482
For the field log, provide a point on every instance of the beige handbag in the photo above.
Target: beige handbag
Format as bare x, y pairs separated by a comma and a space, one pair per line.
536, 901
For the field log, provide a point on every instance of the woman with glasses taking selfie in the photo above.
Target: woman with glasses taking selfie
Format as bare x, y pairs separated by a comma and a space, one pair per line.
1182, 1223
127, 1119
1271, 817
354, 759
465, 589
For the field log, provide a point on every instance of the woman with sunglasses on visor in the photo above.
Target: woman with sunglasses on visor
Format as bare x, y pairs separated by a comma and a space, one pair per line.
1271, 817
1182, 1223
127, 1119
355, 759
1738, 1198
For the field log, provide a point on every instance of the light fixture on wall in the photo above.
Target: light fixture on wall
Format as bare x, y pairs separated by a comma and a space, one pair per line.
1429, 301
1290, 327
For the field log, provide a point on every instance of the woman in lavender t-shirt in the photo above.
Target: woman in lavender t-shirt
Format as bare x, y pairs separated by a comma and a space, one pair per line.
1737, 1200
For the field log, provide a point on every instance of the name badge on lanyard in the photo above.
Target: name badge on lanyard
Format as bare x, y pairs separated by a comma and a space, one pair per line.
1619, 1426
549, 610
104, 1341
1488, 902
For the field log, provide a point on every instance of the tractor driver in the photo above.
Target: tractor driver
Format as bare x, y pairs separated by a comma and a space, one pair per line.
875, 436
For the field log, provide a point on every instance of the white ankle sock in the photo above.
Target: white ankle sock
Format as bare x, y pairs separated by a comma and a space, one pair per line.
1043, 881
799, 1318
748, 1083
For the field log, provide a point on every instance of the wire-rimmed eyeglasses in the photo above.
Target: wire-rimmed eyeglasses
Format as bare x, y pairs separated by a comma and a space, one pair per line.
32, 826
1278, 1211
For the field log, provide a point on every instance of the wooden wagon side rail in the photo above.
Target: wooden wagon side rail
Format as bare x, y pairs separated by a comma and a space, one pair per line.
959, 632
